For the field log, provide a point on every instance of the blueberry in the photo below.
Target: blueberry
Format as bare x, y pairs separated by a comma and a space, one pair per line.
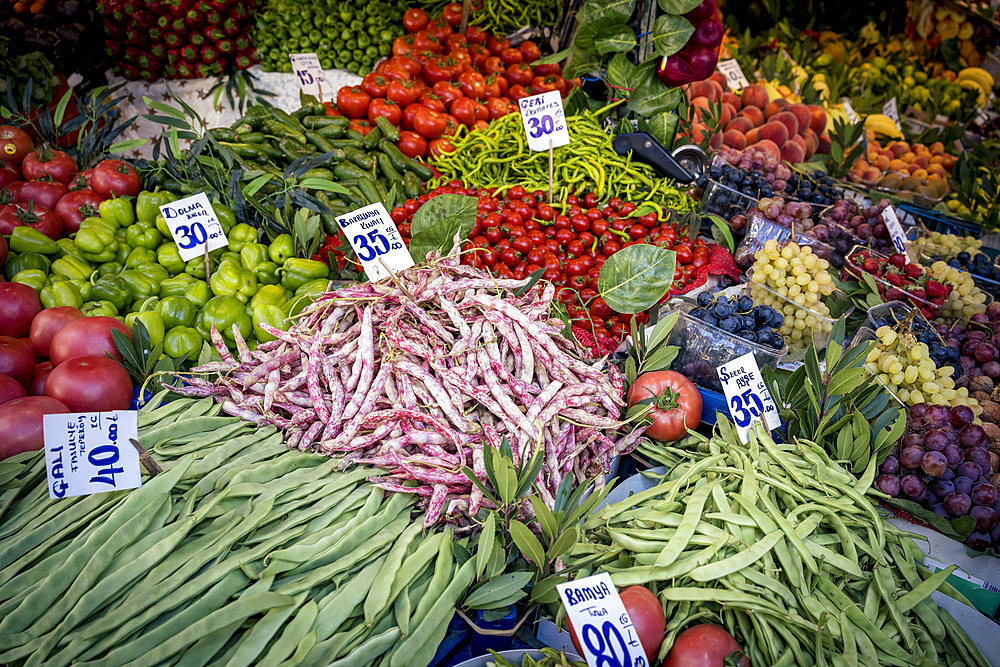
704, 299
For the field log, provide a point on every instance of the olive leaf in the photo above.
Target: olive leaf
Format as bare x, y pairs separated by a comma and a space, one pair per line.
670, 34
434, 226
636, 278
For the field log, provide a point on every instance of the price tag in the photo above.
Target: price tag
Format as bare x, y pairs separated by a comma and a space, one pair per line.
601, 622
746, 395
90, 452
544, 121
890, 110
896, 232
194, 225
310, 73
734, 74
849, 110
375, 239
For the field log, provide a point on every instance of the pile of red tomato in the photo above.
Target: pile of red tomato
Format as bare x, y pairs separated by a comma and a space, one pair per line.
53, 361
438, 80
45, 191
520, 233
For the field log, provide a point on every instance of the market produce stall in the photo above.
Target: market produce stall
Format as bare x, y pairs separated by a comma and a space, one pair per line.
494, 333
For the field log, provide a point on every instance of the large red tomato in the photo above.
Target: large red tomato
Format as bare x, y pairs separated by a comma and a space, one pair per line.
18, 306
89, 336
37, 217
10, 389
15, 144
114, 178
42, 193
647, 616
46, 324
704, 646
16, 359
676, 405
90, 384
37, 386
3, 250
76, 206
8, 174
21, 423
46, 163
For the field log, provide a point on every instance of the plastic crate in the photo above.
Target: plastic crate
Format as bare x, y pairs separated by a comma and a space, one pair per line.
724, 201
760, 230
942, 222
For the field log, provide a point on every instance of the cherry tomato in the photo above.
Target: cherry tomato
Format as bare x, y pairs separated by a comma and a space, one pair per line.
684, 253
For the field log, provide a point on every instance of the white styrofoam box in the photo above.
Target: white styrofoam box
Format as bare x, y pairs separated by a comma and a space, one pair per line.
984, 633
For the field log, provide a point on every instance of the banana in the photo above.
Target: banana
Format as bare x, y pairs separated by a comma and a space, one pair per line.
882, 124
976, 86
978, 74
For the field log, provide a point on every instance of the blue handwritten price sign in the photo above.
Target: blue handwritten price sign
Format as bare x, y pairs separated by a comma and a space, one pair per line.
375, 239
896, 232
544, 121
601, 622
308, 71
747, 397
90, 452
194, 225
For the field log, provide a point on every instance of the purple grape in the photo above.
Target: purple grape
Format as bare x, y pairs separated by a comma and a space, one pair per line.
985, 352
941, 511
963, 485
943, 487
890, 465
986, 518
960, 415
995, 535
912, 440
931, 497
918, 410
970, 470
934, 463
888, 484
910, 457
913, 487
958, 503
936, 439
973, 435
992, 369
984, 493
978, 541
980, 456
954, 455
936, 416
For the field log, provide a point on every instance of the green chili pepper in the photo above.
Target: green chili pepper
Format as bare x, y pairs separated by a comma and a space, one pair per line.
170, 258
177, 311
33, 278
141, 235
139, 256
151, 320
99, 308
296, 272
281, 248
139, 286
28, 239
30, 260
226, 217
182, 343
232, 280
112, 289
223, 312
241, 235
70, 268
60, 293
118, 210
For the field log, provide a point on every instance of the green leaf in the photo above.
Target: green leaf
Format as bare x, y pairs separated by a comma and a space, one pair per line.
670, 34
164, 108
126, 145
591, 31
488, 593
847, 380
487, 539
678, 6
723, 227
533, 278
653, 98
169, 121
545, 518
620, 72
617, 40
662, 127
434, 226
323, 184
467, 471
636, 278
251, 188
57, 118
544, 592
662, 329
506, 479
527, 543
556, 57
885, 439
562, 545
660, 360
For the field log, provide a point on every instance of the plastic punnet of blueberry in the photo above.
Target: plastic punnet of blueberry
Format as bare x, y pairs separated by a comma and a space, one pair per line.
739, 316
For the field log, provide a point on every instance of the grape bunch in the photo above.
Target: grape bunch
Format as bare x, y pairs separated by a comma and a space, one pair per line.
793, 281
816, 188
865, 223
984, 273
904, 366
946, 246
760, 161
740, 317
938, 349
786, 214
965, 299
943, 462
980, 354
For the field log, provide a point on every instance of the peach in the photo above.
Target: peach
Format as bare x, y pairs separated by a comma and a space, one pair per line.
937, 148
872, 174
769, 146
755, 115
921, 161
812, 141
854, 174
716, 141
709, 89
719, 78
936, 169
912, 168
734, 139
899, 148
818, 119
732, 98
882, 162
775, 131
896, 165
920, 173
754, 95
696, 107
776, 106
698, 132
793, 152
798, 139
726, 113
786, 118
740, 124
802, 114
824, 144
753, 136
887, 154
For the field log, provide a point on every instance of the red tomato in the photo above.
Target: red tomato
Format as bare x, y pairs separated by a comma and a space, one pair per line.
684, 253
432, 101
464, 110
452, 13
429, 124
516, 92
511, 56
90, 384
519, 74
476, 35
473, 85
8, 174
46, 163
37, 386
497, 108
353, 102
114, 178
45, 325
547, 70
360, 125
447, 91
387, 108
42, 193
41, 218
438, 69
456, 41
403, 46
415, 19
374, 84
479, 54
493, 65
393, 72
529, 51
87, 336
18, 306
412, 144
496, 46
705, 646
676, 407
21, 423
408, 64
3, 251
10, 389
440, 29
546, 84
439, 147
16, 359
76, 206
402, 93
423, 40
15, 144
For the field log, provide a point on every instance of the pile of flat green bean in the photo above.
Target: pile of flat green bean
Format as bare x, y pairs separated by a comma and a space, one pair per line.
240, 553
498, 157
779, 545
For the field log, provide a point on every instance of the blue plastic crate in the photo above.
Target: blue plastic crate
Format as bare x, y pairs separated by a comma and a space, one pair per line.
941, 222
712, 402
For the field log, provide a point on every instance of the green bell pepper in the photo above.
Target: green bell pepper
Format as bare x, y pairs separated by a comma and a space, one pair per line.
226, 218
199, 292
61, 293
169, 258
151, 320
140, 287
266, 273
122, 253
85, 287
72, 268
252, 255
142, 235
33, 278
99, 308
196, 267
268, 295
177, 311
120, 235
118, 210
161, 226
264, 313
139, 256
281, 248
30, 260
147, 204
94, 221
28, 239
223, 312
230, 257
95, 239
109, 269
241, 236
313, 287
100, 258
68, 247
114, 290
182, 343
176, 285
296, 272
156, 273
232, 280
149, 304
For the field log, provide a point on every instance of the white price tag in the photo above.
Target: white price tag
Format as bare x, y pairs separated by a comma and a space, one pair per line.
746, 395
194, 225
90, 452
309, 72
601, 622
890, 110
375, 239
544, 120
734, 74
895, 230
849, 110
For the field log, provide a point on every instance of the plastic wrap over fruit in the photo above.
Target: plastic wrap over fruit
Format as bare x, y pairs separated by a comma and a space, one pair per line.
697, 59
